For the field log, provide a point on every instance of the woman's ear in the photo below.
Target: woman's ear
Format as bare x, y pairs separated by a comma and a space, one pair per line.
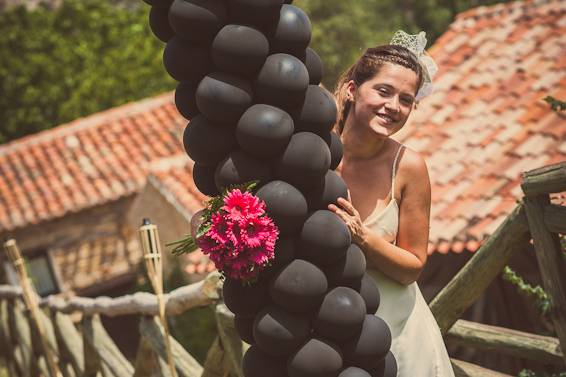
351, 90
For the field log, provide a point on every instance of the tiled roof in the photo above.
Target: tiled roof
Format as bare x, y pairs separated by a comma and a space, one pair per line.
87, 162
486, 122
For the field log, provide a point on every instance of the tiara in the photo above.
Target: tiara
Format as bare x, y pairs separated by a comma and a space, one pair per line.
416, 44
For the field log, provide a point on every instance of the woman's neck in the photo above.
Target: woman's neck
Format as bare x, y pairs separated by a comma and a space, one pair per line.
360, 143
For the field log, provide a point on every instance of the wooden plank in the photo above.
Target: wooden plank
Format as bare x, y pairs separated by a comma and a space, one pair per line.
543, 349
472, 280
185, 364
545, 180
214, 364
555, 218
231, 341
19, 327
465, 369
146, 360
551, 263
111, 359
70, 341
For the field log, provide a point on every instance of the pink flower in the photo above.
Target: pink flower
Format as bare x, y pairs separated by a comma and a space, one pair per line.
239, 205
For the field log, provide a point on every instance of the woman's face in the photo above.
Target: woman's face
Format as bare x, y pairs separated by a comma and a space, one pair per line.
384, 102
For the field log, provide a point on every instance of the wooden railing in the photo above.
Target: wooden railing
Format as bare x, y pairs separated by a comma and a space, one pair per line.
88, 350
534, 218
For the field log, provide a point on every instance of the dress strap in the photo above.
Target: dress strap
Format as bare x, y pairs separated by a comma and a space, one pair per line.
394, 172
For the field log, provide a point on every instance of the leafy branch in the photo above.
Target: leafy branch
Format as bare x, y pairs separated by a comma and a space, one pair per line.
555, 104
537, 294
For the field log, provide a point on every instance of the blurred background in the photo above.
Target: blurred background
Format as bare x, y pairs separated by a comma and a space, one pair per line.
90, 143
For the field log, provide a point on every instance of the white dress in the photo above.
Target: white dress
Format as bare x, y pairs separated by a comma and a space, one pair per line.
417, 343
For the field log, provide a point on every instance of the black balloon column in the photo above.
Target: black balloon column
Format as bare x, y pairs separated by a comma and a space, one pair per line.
249, 85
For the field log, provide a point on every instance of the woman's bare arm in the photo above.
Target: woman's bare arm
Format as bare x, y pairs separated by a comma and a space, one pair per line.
405, 261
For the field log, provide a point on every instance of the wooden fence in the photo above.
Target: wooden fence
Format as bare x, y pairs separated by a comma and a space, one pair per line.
87, 349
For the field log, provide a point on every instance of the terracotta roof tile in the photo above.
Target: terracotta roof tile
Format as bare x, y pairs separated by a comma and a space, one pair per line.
486, 123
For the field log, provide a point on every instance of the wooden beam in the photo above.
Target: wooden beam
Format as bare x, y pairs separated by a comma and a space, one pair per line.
19, 327
146, 360
230, 340
71, 345
543, 349
551, 263
185, 364
464, 369
545, 180
99, 342
555, 218
472, 280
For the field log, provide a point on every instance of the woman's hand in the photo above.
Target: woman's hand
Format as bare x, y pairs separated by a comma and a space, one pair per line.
352, 218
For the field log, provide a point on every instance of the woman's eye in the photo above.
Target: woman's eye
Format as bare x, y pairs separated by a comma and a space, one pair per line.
407, 101
383, 91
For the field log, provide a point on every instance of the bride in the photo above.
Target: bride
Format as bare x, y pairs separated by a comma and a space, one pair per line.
389, 206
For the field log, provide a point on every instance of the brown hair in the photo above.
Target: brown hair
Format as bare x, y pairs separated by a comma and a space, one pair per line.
367, 66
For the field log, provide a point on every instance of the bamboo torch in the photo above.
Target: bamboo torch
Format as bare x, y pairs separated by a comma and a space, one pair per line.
30, 299
154, 265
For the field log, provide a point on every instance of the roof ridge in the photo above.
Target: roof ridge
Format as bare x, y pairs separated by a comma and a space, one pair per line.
497, 9
93, 120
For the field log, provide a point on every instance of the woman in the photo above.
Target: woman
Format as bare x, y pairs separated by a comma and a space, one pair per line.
389, 206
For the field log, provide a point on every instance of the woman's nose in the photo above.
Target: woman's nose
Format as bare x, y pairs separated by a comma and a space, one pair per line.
393, 104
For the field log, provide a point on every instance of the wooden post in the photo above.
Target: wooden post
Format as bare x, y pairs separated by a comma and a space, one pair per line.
146, 360
472, 280
19, 327
70, 341
108, 357
214, 364
231, 342
464, 369
184, 363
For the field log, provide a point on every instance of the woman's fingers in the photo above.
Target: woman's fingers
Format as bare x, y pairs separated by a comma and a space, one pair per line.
347, 206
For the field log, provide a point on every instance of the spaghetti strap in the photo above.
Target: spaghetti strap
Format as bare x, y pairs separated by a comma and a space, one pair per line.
394, 172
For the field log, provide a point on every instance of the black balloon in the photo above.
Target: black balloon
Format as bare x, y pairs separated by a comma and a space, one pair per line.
318, 113
278, 332
207, 143
239, 168
244, 327
240, 50
244, 301
264, 130
203, 177
223, 97
185, 99
354, 372
292, 33
305, 161
314, 66
257, 363
260, 13
186, 61
371, 345
282, 81
341, 314
285, 205
327, 355
369, 291
159, 3
159, 23
328, 192
197, 20
336, 148
386, 368
324, 238
284, 254
299, 287
349, 270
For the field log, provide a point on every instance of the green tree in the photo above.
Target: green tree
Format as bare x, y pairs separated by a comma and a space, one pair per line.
83, 57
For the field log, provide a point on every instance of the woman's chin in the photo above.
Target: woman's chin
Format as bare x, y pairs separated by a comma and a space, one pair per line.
381, 130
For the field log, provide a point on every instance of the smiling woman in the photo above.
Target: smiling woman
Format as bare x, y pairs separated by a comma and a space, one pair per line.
389, 205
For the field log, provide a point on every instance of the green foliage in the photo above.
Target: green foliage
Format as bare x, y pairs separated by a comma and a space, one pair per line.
555, 104
536, 294
530, 373
83, 57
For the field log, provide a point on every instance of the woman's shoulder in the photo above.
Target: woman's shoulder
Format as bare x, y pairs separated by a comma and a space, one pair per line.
411, 166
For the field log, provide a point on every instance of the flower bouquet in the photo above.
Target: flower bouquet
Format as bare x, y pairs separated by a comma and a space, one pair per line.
236, 234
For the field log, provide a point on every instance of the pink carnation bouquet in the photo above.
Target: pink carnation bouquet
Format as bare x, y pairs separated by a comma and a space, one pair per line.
235, 233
